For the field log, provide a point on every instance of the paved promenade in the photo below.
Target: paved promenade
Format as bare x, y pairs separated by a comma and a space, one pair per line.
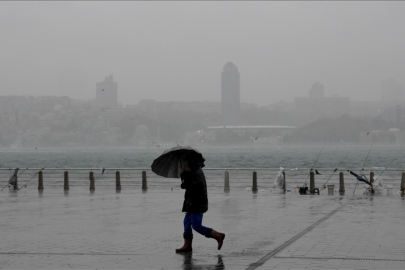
136, 230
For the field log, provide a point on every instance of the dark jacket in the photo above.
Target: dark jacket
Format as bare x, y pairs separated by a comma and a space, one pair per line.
195, 198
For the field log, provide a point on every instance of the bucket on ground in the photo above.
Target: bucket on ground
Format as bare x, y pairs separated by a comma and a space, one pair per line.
303, 190
331, 189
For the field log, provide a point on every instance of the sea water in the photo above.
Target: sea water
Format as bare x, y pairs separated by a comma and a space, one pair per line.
216, 157
289, 157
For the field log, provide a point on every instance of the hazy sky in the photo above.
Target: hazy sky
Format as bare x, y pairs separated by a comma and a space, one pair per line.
176, 50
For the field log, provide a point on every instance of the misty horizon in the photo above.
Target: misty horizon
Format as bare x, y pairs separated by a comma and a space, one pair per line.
175, 51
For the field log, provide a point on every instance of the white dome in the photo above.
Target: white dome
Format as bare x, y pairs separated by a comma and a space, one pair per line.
141, 129
142, 132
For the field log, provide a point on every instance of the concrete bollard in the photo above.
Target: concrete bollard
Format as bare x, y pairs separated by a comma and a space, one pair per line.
144, 181
91, 178
403, 184
341, 184
311, 182
371, 177
226, 181
254, 185
40, 181
66, 180
117, 180
284, 185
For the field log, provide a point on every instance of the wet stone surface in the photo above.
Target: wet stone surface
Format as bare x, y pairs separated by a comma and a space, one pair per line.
137, 230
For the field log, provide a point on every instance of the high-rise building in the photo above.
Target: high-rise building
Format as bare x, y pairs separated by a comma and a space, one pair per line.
317, 105
106, 93
230, 94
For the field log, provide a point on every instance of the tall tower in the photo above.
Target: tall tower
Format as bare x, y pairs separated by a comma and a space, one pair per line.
230, 94
106, 93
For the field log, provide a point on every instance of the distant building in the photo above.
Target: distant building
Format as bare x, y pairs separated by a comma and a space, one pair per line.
230, 94
391, 91
317, 106
195, 106
149, 106
142, 136
390, 136
203, 107
317, 91
392, 114
106, 93
259, 135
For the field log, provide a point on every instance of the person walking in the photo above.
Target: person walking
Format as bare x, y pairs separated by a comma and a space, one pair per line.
195, 205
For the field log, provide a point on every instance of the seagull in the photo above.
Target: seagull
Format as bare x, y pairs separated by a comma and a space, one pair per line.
256, 138
368, 133
102, 90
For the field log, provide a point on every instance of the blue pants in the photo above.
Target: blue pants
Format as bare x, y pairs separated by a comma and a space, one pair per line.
193, 220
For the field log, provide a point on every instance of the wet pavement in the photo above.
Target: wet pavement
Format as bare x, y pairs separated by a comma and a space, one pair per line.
141, 230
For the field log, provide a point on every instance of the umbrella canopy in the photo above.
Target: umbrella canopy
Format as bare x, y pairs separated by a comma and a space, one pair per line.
360, 178
169, 163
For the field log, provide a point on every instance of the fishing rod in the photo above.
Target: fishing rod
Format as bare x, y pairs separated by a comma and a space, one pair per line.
385, 168
362, 169
26, 183
367, 157
15, 176
305, 184
12, 179
324, 185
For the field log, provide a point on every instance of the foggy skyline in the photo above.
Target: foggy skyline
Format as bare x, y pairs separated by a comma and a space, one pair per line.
175, 51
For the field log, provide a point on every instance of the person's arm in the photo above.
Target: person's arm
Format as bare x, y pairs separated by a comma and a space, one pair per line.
182, 175
182, 178
194, 183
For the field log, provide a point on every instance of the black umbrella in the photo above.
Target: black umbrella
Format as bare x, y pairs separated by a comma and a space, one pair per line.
169, 163
360, 178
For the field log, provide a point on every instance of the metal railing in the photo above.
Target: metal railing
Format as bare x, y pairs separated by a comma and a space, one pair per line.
144, 177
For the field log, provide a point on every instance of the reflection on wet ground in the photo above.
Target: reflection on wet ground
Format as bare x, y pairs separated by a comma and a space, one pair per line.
137, 230
190, 265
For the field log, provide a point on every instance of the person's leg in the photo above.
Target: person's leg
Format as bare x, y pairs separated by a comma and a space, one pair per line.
187, 224
217, 236
188, 235
196, 223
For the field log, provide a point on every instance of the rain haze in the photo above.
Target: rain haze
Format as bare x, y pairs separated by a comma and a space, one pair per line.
123, 123
175, 51
152, 73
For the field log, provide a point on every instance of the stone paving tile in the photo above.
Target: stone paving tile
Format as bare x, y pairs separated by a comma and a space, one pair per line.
141, 230
367, 228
